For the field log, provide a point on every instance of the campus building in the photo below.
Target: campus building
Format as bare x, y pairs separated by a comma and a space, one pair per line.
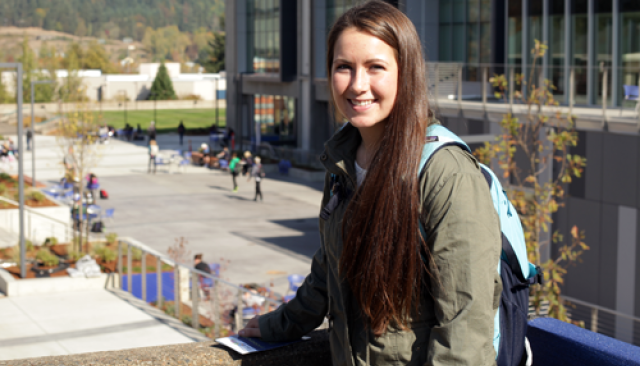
277, 92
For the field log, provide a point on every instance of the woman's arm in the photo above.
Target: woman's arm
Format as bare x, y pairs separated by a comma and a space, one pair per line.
464, 238
307, 310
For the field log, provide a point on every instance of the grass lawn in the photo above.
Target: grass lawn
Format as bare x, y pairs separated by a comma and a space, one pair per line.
167, 120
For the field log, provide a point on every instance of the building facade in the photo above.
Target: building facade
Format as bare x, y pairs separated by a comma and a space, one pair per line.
277, 92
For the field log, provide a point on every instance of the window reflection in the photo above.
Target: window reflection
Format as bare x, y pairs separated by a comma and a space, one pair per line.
263, 34
276, 117
630, 44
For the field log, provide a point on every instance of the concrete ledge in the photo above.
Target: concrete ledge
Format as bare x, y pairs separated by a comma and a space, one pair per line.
310, 353
35, 286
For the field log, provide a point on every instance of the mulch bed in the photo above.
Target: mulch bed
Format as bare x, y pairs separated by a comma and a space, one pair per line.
15, 272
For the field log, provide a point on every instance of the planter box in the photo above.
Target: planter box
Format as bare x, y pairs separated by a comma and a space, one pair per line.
36, 286
39, 227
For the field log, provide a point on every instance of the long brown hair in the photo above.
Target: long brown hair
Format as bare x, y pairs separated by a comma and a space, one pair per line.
381, 258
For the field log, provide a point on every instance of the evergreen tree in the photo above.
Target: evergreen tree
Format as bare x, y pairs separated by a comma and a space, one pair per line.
212, 58
162, 87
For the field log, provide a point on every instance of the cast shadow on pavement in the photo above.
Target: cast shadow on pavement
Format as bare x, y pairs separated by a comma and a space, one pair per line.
301, 247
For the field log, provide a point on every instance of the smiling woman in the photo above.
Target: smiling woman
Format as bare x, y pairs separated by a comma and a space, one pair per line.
392, 295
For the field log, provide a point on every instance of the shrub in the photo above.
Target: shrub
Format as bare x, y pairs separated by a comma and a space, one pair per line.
111, 238
191, 97
15, 255
74, 255
37, 196
105, 254
47, 258
27, 243
51, 241
6, 177
136, 253
186, 319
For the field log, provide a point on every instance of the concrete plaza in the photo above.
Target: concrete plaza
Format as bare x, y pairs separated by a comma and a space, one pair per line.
260, 242
264, 241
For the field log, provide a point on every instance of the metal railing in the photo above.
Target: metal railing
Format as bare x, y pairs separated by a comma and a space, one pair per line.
223, 295
605, 321
460, 86
54, 227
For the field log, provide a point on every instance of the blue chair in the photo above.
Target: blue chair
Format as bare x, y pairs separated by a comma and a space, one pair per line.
108, 213
284, 166
632, 93
295, 281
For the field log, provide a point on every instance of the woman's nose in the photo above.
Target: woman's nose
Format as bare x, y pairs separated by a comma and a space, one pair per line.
360, 81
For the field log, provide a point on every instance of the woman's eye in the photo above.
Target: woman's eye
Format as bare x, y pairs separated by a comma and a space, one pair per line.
377, 67
342, 67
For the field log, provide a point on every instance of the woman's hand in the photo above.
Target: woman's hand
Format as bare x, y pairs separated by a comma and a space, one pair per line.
252, 329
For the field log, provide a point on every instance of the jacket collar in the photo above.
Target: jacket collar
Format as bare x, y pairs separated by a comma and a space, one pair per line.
340, 151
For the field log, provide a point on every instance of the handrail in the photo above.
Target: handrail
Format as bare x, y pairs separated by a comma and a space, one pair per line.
193, 276
168, 260
600, 308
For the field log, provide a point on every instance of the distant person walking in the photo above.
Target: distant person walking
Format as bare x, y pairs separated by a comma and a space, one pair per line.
234, 169
153, 153
248, 163
152, 131
181, 131
257, 173
29, 137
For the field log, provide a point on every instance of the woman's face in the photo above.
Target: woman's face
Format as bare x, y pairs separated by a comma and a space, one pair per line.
364, 78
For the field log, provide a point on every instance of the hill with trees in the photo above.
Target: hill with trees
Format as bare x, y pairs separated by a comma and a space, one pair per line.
112, 19
160, 30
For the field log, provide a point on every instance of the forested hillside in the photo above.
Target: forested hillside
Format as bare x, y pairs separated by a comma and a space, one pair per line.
112, 19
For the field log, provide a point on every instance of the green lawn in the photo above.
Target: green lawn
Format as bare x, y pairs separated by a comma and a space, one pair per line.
167, 120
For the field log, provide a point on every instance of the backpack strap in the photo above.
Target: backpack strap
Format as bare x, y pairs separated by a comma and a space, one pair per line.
437, 138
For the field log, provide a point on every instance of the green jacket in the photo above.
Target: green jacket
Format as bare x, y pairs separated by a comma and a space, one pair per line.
455, 323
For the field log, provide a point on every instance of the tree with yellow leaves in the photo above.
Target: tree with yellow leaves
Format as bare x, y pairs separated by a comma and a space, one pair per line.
543, 136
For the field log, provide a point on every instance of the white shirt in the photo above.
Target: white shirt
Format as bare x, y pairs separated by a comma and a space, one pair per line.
360, 174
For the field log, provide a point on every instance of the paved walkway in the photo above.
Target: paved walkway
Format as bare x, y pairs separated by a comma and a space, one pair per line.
264, 241
80, 322
259, 242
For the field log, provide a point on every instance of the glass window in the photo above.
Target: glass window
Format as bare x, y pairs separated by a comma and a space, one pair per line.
335, 8
445, 42
275, 114
485, 42
459, 11
514, 29
630, 48
579, 53
458, 43
556, 47
263, 18
445, 11
604, 50
474, 11
485, 11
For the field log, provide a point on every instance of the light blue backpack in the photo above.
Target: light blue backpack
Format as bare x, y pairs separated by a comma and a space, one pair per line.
510, 324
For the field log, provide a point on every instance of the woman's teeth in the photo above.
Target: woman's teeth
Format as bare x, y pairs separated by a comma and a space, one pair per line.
361, 102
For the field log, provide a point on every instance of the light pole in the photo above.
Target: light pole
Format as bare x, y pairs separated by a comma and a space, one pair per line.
33, 129
18, 67
216, 96
124, 100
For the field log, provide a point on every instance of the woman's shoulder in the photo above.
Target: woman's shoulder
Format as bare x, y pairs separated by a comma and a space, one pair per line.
446, 163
